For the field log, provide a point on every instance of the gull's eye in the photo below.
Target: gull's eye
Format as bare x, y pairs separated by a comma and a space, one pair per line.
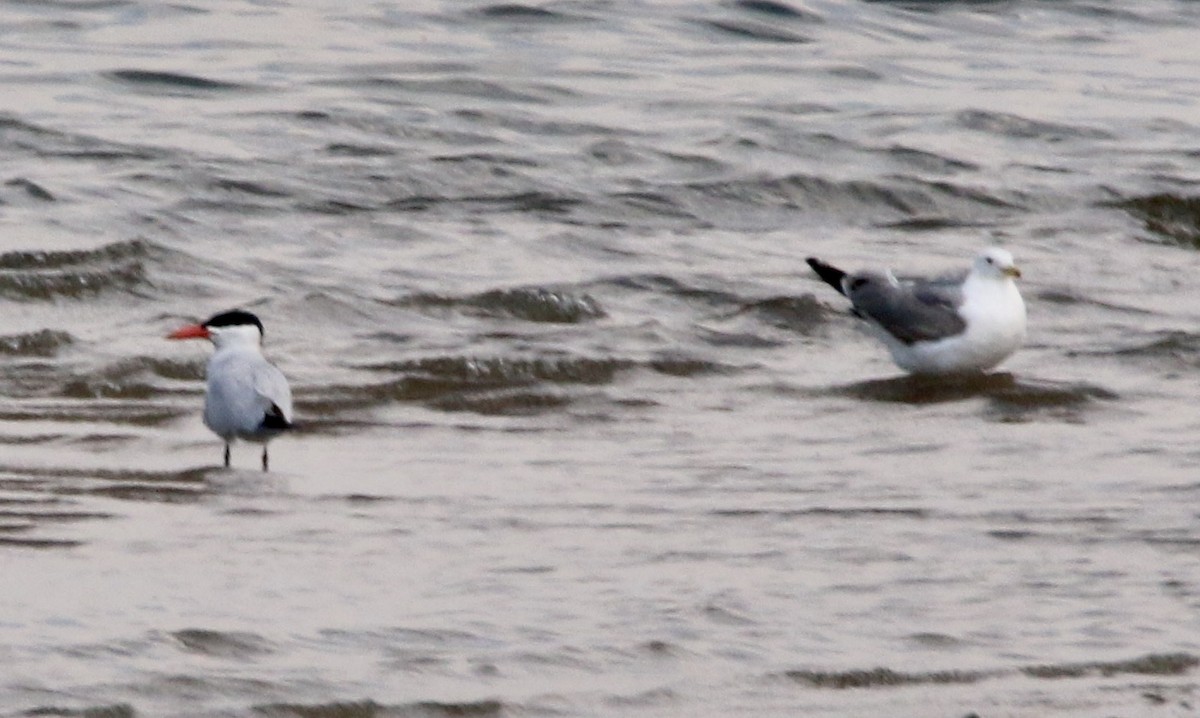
990, 260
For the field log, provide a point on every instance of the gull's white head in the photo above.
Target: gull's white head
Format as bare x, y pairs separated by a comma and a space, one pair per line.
996, 262
237, 327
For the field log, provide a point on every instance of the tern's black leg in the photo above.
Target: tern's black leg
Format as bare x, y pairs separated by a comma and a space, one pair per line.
227, 456
264, 457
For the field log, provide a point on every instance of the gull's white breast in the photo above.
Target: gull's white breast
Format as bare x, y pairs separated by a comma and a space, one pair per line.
995, 317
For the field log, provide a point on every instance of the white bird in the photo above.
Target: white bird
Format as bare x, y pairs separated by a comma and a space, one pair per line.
958, 324
247, 397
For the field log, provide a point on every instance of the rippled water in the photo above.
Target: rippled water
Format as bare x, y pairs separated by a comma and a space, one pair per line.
580, 433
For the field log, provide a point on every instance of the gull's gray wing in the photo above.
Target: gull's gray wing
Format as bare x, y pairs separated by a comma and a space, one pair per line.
910, 310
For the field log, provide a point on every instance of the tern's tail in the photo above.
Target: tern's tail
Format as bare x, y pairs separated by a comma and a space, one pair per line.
829, 273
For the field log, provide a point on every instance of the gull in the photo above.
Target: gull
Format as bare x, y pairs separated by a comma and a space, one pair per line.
246, 396
958, 324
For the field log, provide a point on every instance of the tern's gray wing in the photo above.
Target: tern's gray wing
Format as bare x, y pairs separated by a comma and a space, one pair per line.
272, 387
910, 310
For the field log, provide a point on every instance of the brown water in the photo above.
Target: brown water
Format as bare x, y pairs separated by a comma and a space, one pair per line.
581, 434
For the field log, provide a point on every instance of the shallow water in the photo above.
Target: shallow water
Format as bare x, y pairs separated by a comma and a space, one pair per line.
580, 433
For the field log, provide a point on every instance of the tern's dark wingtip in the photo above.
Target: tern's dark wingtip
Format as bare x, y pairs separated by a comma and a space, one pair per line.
274, 420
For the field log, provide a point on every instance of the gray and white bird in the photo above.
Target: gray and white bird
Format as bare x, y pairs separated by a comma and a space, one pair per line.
246, 397
956, 324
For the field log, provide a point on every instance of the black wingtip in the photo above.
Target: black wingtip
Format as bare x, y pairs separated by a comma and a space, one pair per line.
275, 420
828, 273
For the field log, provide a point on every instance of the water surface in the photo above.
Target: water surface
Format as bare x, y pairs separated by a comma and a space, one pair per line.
580, 432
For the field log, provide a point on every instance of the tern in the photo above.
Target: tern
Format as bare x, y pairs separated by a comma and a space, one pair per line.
246, 396
959, 324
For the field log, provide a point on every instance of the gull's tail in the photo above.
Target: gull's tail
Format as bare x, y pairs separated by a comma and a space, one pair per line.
829, 273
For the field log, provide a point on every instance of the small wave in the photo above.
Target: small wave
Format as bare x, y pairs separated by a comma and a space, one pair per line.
145, 493
882, 678
41, 275
653, 204
347, 149
502, 371
106, 389
801, 192
358, 499
132, 378
502, 403
460, 86
763, 21
776, 9
1169, 216
187, 476
371, 709
53, 516
30, 189
534, 304
1009, 125
255, 189
935, 640
659, 648
926, 161
522, 13
1012, 534
1009, 399
70, 284
132, 412
38, 543
1155, 664
487, 159
64, 487
466, 709
171, 80
802, 314
1173, 346
929, 224
687, 367
222, 644
40, 259
496, 385
487, 386
340, 709
118, 710
533, 125
928, 390
846, 512
335, 207
739, 339
751, 30
18, 136
883, 201
1023, 401
43, 519
43, 343
668, 285
538, 202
